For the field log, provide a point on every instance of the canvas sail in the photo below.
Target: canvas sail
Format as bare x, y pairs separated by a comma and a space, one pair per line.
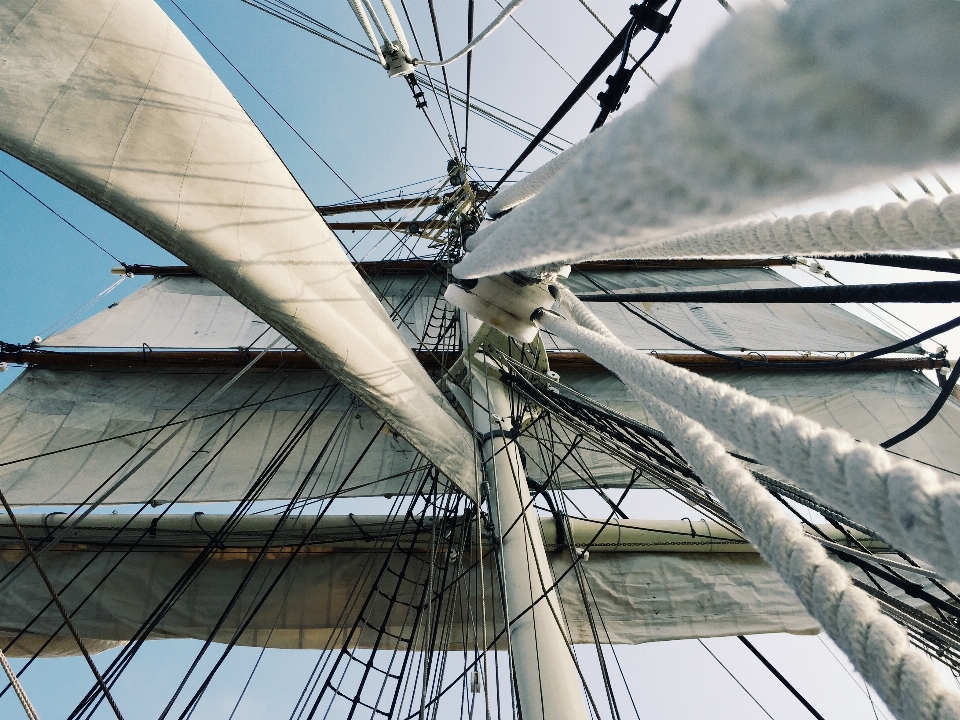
650, 580
111, 99
217, 457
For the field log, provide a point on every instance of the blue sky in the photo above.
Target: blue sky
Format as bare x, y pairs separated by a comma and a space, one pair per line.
367, 128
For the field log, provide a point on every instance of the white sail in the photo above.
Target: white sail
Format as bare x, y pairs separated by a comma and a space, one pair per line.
111, 99
650, 580
218, 457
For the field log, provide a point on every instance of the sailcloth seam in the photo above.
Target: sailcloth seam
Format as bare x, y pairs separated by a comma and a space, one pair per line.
911, 506
878, 647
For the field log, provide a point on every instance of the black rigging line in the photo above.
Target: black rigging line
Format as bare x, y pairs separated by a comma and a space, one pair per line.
749, 694
436, 96
937, 291
639, 16
466, 114
156, 427
122, 661
443, 69
945, 392
777, 674
146, 533
306, 21
70, 224
738, 361
618, 84
269, 471
910, 262
60, 607
475, 106
266, 594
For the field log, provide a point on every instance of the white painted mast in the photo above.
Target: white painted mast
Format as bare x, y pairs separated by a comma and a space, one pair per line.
547, 682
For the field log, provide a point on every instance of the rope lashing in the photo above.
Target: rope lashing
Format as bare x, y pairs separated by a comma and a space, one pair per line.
877, 646
909, 505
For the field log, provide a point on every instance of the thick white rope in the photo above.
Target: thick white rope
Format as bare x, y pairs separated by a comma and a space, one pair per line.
376, 21
876, 645
920, 225
911, 506
529, 186
397, 27
365, 24
779, 107
18, 688
498, 21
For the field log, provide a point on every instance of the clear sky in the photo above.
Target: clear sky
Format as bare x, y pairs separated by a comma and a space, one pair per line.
368, 130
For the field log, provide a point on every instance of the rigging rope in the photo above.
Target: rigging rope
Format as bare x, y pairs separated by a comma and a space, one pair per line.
878, 647
18, 688
907, 503
923, 224
498, 21
70, 224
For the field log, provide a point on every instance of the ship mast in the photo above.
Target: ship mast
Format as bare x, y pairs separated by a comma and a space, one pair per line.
547, 681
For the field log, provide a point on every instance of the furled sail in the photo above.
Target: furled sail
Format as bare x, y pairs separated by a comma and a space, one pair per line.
111, 99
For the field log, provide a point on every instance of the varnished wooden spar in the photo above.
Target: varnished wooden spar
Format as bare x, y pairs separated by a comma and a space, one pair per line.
434, 362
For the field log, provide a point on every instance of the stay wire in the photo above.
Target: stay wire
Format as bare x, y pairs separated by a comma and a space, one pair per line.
70, 224
443, 70
749, 694
777, 674
63, 611
545, 51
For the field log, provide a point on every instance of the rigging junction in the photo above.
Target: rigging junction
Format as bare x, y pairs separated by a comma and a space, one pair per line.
509, 393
